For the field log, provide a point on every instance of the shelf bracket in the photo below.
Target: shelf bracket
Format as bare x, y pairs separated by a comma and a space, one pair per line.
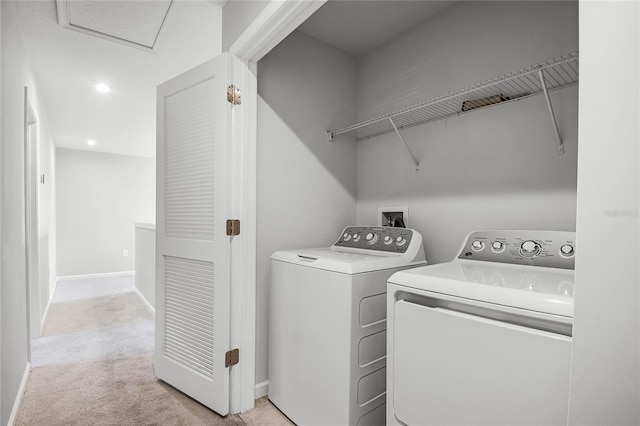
405, 144
553, 117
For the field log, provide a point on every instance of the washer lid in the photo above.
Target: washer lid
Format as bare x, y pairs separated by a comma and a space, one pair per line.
547, 290
346, 261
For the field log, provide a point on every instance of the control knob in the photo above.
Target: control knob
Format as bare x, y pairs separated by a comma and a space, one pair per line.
567, 250
497, 246
477, 245
388, 240
371, 238
356, 238
530, 248
346, 236
400, 241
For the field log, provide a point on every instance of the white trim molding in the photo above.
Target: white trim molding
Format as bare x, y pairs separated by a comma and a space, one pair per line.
63, 10
44, 315
276, 21
16, 405
142, 225
262, 389
100, 275
145, 301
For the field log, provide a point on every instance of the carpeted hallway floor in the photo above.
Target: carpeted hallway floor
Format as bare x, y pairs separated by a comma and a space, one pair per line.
94, 366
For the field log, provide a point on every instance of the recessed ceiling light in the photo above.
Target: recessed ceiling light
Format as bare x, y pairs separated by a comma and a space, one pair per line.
91, 142
102, 88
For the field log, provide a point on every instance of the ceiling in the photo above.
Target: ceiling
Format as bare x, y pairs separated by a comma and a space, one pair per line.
360, 26
117, 43
134, 45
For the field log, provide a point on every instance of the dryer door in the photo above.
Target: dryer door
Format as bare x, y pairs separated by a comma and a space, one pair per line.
453, 368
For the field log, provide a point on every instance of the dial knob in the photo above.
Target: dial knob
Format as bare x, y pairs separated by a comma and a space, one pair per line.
530, 248
388, 240
371, 238
477, 245
400, 241
346, 236
356, 237
497, 245
567, 250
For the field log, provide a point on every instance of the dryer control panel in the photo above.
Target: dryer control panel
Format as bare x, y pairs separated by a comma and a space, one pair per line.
551, 249
380, 238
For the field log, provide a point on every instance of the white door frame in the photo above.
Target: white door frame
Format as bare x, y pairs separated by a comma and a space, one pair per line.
276, 21
32, 244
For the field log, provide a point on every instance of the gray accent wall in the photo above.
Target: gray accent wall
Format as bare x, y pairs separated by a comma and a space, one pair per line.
491, 169
99, 198
306, 188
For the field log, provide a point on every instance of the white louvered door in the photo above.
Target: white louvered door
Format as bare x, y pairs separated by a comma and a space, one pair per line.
192, 248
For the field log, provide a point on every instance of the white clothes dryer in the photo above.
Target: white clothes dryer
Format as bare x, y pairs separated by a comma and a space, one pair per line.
327, 332
486, 338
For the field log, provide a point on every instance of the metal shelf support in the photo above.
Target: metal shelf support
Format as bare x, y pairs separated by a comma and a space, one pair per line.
413, 157
560, 150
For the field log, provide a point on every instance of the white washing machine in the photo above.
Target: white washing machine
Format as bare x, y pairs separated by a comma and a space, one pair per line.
484, 339
327, 332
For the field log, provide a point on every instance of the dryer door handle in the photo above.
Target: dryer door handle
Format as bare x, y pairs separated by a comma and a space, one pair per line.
307, 258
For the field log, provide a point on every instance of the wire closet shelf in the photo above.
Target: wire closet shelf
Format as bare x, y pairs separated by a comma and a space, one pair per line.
540, 78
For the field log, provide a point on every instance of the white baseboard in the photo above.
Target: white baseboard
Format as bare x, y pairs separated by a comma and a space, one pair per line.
262, 389
145, 301
44, 316
16, 405
52, 290
100, 275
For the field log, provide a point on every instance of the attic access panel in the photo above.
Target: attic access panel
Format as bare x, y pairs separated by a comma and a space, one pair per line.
135, 23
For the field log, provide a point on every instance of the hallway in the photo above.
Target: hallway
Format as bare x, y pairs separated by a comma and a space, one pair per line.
94, 365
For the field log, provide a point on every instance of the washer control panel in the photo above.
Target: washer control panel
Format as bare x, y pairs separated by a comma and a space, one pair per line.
381, 238
552, 249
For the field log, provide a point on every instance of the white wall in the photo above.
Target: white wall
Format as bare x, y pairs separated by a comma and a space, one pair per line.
236, 17
145, 263
495, 168
16, 74
99, 198
605, 375
306, 187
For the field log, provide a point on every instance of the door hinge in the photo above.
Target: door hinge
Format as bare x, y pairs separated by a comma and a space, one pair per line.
234, 95
233, 227
232, 357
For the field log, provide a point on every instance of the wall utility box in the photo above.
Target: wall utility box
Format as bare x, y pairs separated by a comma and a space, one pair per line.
393, 216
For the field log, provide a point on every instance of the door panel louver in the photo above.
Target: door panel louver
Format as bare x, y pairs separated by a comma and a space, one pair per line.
189, 158
188, 314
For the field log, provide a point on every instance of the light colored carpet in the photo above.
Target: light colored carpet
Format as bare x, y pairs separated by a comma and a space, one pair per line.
265, 414
93, 287
94, 366
120, 391
95, 313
